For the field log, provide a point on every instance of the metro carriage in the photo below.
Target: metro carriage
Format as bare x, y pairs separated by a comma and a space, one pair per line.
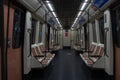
59, 40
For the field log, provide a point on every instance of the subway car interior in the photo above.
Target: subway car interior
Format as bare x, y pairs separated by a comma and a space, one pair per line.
59, 40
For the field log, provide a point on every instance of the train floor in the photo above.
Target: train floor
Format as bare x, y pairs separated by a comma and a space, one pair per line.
67, 65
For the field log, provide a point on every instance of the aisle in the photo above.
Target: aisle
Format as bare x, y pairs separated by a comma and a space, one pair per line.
67, 65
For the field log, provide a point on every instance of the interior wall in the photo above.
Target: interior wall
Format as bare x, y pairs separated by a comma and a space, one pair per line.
60, 38
109, 44
27, 45
43, 34
66, 38
73, 37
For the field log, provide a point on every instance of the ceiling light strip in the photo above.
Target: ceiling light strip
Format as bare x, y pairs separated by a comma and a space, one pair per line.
80, 12
59, 22
83, 6
54, 14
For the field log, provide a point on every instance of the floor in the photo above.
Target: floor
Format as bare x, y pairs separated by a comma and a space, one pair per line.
67, 65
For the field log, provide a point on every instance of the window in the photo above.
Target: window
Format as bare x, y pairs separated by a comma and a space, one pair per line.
94, 32
101, 29
40, 33
33, 34
117, 26
105, 18
17, 28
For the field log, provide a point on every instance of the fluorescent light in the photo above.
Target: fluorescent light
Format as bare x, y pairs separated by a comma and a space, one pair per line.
73, 24
51, 9
79, 13
54, 14
47, 1
58, 22
76, 19
83, 6
49, 5
72, 29
60, 25
86, 0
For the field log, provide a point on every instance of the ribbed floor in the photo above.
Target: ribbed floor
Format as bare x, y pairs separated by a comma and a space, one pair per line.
67, 65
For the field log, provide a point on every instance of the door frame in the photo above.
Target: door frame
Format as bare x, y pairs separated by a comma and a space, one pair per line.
3, 56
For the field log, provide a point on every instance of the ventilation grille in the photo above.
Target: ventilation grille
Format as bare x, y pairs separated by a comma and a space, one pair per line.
31, 4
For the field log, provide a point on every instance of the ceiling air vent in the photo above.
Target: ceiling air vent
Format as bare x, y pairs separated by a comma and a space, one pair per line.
41, 13
32, 5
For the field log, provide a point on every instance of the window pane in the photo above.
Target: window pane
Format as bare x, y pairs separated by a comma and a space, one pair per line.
17, 27
118, 27
34, 22
40, 33
94, 32
101, 30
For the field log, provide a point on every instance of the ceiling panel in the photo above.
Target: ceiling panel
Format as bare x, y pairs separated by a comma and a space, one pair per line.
66, 10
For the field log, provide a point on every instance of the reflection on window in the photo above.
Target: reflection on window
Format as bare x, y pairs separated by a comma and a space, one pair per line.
117, 27
40, 33
94, 32
101, 29
17, 27
34, 22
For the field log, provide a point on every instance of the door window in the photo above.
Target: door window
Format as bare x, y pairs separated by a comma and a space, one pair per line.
34, 23
94, 32
101, 29
18, 26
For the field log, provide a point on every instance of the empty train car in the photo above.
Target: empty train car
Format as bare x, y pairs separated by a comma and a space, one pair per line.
59, 40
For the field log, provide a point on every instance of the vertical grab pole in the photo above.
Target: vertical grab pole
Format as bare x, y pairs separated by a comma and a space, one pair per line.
46, 26
57, 37
88, 33
48, 38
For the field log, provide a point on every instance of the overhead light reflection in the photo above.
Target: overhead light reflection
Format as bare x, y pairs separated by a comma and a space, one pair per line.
86, 0
54, 14
81, 9
83, 6
49, 5
79, 13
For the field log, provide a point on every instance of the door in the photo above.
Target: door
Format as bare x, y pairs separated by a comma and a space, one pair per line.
14, 25
66, 38
116, 36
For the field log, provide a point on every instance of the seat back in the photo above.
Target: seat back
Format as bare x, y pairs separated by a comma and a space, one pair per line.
97, 50
39, 51
34, 52
101, 51
92, 47
42, 48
